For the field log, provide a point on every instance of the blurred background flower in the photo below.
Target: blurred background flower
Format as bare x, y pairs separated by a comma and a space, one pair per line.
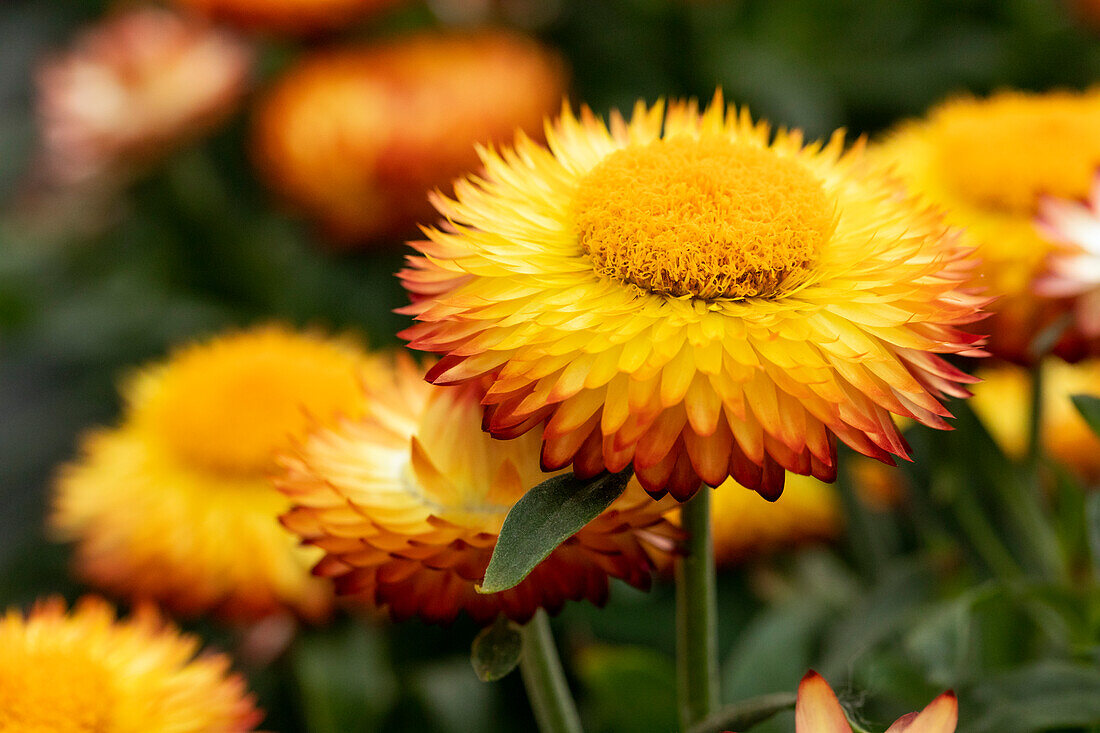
292, 17
407, 504
174, 505
987, 162
83, 670
356, 138
1073, 265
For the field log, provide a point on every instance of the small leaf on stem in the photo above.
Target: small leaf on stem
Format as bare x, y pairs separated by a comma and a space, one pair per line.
496, 650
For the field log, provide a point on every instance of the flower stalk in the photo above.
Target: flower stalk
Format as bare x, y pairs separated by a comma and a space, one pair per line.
544, 679
696, 615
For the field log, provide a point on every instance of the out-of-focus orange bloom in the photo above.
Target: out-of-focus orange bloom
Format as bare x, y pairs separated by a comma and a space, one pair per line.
175, 506
292, 17
819, 711
695, 296
746, 525
132, 88
407, 504
1002, 400
987, 163
84, 670
356, 138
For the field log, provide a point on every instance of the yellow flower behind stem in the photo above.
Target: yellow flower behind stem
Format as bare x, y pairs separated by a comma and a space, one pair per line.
407, 503
695, 296
86, 672
175, 504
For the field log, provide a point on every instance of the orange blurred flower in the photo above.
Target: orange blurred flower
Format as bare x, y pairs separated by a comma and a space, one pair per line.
132, 88
175, 505
296, 17
819, 711
988, 162
745, 525
407, 504
86, 671
1002, 400
693, 295
356, 138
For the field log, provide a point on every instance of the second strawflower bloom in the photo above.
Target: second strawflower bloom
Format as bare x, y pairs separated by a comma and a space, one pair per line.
695, 296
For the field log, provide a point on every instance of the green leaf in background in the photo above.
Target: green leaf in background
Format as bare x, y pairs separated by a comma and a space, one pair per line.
1092, 522
453, 699
345, 679
1089, 407
1037, 697
745, 714
627, 688
496, 650
546, 516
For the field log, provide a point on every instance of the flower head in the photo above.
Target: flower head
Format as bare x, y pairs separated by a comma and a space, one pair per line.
294, 17
819, 711
86, 671
1002, 402
1073, 266
745, 525
175, 504
408, 501
988, 163
693, 295
132, 88
356, 138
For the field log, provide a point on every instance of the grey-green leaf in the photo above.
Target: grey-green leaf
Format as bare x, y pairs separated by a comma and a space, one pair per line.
745, 714
1089, 407
546, 516
496, 650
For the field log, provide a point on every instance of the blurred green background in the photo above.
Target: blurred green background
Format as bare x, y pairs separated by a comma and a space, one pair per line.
948, 592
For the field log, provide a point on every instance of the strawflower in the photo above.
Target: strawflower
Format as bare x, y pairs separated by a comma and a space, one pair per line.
1073, 268
988, 163
819, 711
175, 504
355, 138
133, 88
82, 671
290, 17
693, 295
407, 503
1002, 401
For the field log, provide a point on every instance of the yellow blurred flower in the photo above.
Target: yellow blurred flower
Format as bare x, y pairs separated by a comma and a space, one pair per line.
987, 162
819, 711
1002, 400
746, 525
407, 504
694, 295
175, 505
356, 138
86, 671
296, 17
132, 88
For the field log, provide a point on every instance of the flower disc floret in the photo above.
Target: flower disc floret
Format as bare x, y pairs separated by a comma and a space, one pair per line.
706, 218
646, 308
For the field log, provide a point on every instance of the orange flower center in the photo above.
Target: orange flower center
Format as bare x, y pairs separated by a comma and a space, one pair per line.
702, 217
1006, 152
53, 690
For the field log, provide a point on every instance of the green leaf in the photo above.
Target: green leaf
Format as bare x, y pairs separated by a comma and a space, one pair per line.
546, 516
627, 688
1089, 407
1037, 697
1092, 523
745, 714
496, 650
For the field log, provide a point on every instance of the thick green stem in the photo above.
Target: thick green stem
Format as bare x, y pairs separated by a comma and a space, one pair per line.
696, 615
547, 689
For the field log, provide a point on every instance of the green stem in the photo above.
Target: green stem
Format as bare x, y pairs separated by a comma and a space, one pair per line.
544, 679
1035, 422
696, 615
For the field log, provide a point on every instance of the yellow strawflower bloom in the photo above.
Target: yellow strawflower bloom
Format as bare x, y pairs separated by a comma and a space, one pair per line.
175, 504
86, 672
988, 163
408, 501
695, 295
355, 138
1003, 402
